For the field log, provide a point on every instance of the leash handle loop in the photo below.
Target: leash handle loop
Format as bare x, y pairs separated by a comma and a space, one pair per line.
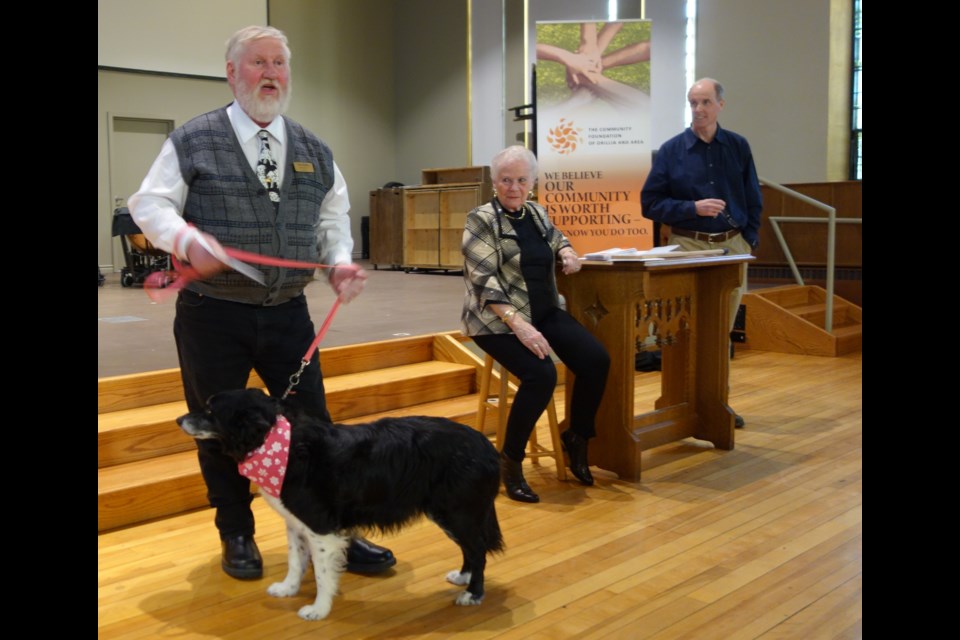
161, 287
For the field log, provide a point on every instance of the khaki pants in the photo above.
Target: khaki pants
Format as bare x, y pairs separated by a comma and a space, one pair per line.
736, 245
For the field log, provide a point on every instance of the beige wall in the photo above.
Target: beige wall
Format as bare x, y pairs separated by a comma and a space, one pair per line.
517, 74
430, 69
352, 86
343, 74
778, 61
384, 83
147, 96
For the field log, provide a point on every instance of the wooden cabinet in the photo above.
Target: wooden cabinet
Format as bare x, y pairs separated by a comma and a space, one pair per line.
433, 219
421, 227
386, 227
456, 175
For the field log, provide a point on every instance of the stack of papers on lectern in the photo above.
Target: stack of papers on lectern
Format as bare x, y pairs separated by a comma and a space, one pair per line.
668, 252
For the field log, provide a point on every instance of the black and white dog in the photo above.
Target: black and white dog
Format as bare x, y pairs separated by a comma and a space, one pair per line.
328, 480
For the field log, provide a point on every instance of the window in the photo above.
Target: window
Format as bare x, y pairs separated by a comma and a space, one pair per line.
856, 98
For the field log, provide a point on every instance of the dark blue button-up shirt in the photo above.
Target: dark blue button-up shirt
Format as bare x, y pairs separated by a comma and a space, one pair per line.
687, 169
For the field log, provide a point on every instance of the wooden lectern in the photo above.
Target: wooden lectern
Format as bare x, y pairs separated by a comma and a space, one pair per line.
683, 303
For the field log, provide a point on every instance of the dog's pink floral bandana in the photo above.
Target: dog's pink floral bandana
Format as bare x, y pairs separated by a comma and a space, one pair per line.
267, 465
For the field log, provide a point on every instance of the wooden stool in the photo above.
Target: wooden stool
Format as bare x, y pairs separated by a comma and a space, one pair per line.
534, 449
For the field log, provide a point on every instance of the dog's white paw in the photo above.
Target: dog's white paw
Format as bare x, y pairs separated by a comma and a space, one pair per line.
459, 579
314, 611
466, 599
283, 589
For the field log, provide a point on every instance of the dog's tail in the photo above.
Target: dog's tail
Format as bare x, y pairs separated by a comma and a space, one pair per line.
492, 537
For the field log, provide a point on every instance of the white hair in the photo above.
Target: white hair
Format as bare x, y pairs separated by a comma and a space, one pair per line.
239, 41
514, 154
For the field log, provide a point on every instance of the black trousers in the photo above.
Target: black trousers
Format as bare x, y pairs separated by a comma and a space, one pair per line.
579, 350
218, 344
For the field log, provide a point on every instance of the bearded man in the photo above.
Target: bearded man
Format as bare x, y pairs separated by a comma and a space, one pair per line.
244, 176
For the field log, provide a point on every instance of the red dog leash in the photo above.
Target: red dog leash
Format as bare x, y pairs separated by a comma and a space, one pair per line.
160, 288
305, 361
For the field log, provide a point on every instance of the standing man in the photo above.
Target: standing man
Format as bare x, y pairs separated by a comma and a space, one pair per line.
247, 177
704, 186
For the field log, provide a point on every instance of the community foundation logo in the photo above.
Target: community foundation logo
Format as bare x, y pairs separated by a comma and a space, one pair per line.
565, 137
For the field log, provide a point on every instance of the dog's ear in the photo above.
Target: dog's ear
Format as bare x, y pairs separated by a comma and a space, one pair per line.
291, 407
296, 409
250, 428
244, 418
266, 402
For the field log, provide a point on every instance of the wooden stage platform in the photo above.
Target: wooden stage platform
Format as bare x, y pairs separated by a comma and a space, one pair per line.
764, 541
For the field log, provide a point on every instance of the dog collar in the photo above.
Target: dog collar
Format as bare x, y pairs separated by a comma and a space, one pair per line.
266, 465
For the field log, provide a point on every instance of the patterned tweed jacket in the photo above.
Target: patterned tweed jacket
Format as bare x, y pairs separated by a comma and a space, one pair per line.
491, 267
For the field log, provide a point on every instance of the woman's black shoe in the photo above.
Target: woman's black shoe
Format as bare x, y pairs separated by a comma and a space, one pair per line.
512, 475
576, 447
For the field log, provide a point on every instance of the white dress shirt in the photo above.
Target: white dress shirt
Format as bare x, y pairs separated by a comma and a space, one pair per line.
158, 206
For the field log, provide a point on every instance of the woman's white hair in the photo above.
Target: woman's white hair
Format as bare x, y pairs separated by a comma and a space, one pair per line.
239, 41
514, 154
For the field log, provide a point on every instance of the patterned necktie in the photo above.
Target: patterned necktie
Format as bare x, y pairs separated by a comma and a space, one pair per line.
267, 168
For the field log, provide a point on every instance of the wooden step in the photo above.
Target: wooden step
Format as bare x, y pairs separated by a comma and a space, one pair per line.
148, 467
147, 389
791, 320
462, 409
360, 394
370, 356
849, 338
148, 489
162, 486
116, 393
139, 433
788, 296
816, 313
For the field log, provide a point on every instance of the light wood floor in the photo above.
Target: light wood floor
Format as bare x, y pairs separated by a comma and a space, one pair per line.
764, 541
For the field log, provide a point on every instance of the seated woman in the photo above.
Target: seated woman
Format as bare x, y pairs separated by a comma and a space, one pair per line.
512, 311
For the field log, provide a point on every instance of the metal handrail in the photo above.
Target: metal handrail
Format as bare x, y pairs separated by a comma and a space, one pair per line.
831, 221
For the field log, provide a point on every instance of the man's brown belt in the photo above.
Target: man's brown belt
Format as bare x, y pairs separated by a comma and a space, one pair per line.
705, 237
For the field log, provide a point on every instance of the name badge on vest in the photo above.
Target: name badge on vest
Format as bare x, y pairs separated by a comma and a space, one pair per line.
303, 167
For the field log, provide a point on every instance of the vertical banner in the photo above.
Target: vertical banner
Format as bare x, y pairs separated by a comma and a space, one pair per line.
593, 130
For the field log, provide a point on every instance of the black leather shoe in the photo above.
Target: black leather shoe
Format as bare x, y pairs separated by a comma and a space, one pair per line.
511, 472
365, 557
738, 422
576, 448
240, 558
